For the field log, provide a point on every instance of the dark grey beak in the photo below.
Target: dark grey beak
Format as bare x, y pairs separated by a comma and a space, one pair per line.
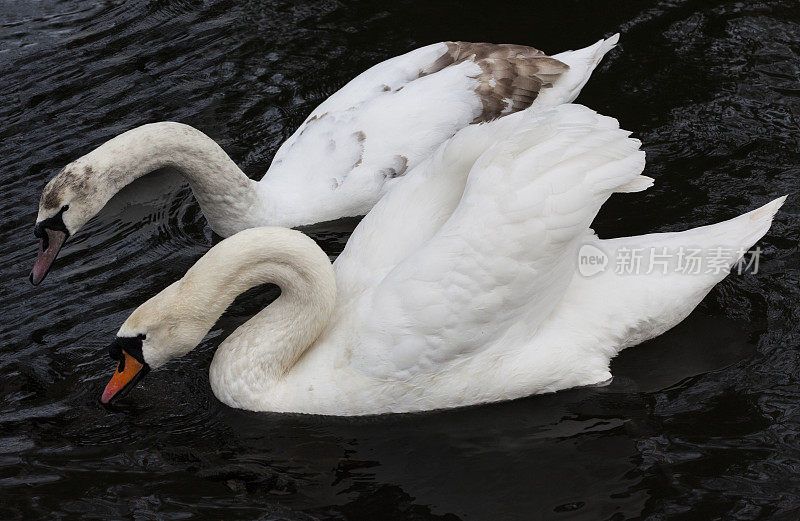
50, 243
51, 233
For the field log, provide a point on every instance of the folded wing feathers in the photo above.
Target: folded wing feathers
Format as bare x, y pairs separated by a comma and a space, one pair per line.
570, 150
509, 247
511, 75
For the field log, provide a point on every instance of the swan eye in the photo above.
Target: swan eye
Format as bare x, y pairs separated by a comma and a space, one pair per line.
65, 208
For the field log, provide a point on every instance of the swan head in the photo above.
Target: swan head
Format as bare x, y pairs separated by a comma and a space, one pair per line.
163, 328
70, 199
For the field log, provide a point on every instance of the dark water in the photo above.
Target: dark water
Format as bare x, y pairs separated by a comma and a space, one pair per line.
702, 423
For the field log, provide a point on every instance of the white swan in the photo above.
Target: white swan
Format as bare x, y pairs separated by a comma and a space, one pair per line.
343, 158
459, 287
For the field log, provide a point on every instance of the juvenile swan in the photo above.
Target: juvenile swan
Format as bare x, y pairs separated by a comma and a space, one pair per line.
343, 158
460, 287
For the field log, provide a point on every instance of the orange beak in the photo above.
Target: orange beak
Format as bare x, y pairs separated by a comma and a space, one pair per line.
129, 372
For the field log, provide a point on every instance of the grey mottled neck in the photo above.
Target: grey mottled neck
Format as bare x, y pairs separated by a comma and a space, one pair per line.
227, 197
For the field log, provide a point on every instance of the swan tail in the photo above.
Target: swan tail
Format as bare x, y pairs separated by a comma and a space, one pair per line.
658, 279
581, 65
738, 234
747, 229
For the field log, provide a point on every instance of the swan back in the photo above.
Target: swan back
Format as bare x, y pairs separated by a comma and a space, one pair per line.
356, 145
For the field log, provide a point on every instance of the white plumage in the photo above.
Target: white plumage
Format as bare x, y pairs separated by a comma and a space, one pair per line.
460, 287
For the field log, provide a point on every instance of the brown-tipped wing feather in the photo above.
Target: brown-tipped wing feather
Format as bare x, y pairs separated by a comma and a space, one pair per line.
511, 77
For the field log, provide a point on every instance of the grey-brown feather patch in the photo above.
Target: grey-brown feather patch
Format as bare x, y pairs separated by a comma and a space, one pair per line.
51, 196
360, 137
512, 75
397, 168
53, 191
316, 117
76, 180
312, 119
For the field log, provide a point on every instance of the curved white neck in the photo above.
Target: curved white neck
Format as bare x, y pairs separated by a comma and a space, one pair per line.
227, 197
265, 348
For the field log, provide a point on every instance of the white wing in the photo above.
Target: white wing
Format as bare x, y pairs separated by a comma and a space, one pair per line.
393, 116
508, 250
414, 210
